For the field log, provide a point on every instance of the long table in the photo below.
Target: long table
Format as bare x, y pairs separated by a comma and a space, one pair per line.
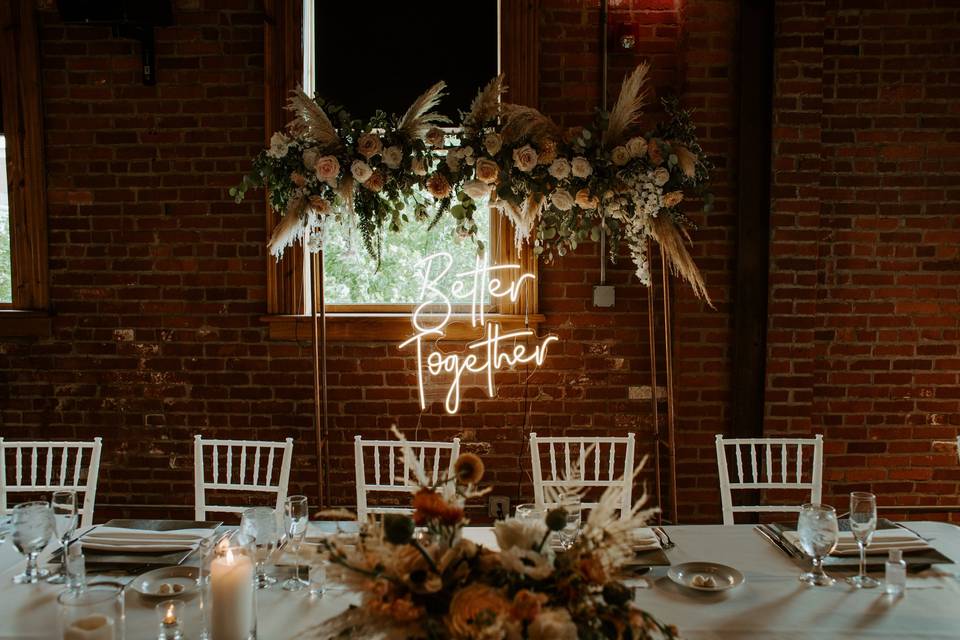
772, 604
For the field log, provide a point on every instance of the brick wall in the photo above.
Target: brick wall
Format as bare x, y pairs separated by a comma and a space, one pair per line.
157, 277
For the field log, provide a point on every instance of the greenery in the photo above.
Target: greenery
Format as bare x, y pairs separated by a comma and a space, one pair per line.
350, 272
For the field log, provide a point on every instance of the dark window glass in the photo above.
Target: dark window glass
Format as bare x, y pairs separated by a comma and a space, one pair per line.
382, 55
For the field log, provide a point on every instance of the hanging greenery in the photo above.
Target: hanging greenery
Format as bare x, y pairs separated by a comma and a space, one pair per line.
558, 186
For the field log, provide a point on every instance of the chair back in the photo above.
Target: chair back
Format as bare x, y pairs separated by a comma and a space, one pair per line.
251, 466
42, 466
774, 464
583, 462
379, 464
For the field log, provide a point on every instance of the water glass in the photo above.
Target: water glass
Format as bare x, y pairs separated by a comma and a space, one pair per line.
296, 517
259, 526
32, 526
528, 511
818, 533
95, 612
863, 524
568, 535
64, 506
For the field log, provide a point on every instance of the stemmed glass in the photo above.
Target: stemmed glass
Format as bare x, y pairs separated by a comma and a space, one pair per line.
568, 535
259, 525
32, 525
64, 505
818, 533
863, 524
296, 517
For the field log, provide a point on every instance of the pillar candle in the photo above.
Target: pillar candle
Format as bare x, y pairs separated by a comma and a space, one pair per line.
231, 589
93, 627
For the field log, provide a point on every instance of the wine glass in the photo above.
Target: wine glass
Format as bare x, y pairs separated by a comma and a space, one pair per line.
296, 518
863, 524
259, 525
64, 506
32, 525
818, 533
568, 535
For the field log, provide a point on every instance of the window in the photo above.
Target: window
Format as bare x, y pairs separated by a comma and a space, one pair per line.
23, 211
6, 266
361, 303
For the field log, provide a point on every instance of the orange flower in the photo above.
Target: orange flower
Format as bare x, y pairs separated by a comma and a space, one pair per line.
654, 152
473, 606
526, 605
403, 610
592, 569
438, 186
429, 505
469, 468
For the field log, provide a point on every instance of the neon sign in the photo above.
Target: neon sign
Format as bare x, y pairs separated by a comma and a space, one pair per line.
492, 352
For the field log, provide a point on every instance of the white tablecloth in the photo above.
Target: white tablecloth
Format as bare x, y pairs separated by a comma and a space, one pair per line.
771, 605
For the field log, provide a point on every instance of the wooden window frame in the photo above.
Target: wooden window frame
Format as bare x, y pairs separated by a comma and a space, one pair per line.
519, 48
28, 314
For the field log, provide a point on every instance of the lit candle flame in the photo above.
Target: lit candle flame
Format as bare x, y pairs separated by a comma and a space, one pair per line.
171, 617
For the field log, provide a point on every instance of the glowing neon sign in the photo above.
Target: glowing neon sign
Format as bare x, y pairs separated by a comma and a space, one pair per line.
494, 351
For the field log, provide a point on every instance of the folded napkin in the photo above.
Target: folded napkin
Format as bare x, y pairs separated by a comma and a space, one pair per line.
881, 543
645, 539
123, 539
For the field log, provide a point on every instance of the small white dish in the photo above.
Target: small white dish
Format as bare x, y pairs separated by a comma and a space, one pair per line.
705, 576
180, 581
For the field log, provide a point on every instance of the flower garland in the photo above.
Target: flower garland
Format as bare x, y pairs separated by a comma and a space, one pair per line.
434, 584
559, 187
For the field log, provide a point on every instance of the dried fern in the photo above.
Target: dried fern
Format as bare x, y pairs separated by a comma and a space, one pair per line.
311, 121
633, 96
288, 230
669, 237
486, 105
420, 116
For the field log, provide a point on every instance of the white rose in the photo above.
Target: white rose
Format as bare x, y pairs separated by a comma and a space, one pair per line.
560, 168
418, 166
562, 200
492, 142
522, 534
637, 146
525, 158
553, 624
661, 176
620, 156
581, 167
361, 171
392, 157
279, 144
476, 189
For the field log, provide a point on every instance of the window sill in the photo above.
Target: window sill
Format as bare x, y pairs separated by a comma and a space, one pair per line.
386, 327
25, 324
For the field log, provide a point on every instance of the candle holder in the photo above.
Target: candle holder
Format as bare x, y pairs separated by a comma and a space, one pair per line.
230, 595
96, 613
170, 613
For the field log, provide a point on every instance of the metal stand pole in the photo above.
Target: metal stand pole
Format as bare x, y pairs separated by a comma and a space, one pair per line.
319, 326
668, 355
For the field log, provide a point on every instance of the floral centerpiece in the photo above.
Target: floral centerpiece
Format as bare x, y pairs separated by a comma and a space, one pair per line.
558, 186
435, 584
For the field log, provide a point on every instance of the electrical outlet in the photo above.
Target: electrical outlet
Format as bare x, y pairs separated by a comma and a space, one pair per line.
604, 296
498, 507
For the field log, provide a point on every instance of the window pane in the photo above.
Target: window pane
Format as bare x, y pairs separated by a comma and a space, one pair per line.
6, 270
351, 277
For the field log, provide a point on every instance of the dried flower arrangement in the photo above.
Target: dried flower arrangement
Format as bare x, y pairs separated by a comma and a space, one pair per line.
437, 585
559, 187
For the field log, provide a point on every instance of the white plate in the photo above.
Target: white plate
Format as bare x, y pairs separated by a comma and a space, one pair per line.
687, 574
150, 583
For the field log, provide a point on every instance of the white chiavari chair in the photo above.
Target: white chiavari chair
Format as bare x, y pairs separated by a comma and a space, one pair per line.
252, 466
43, 466
584, 462
770, 468
385, 459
